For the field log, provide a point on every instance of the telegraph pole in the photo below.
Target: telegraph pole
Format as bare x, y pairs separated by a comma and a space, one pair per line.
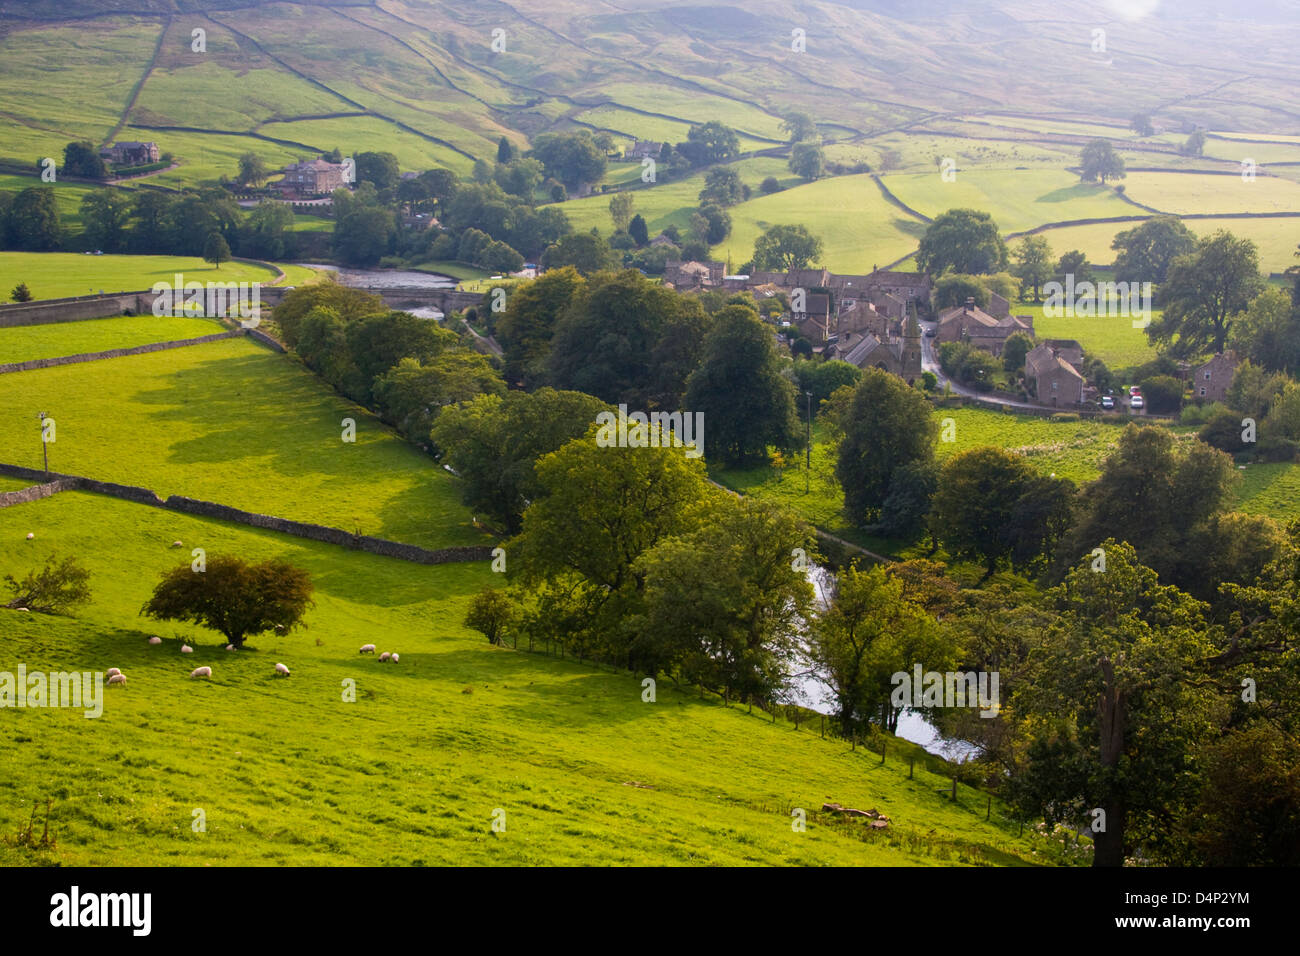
45, 448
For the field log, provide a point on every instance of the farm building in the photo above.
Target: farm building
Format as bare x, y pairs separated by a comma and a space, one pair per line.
970, 323
312, 178
1051, 378
1212, 380
130, 153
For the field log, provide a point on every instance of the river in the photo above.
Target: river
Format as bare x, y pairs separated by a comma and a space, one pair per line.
812, 692
378, 279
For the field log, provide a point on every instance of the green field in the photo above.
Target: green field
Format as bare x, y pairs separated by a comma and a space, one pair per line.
287, 772
1111, 338
858, 227
1182, 193
1018, 199
1276, 238
67, 196
234, 423
26, 342
57, 275
672, 202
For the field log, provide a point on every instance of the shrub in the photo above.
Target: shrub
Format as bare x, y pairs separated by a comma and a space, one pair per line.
769, 186
1163, 393
1200, 413
1223, 432
52, 590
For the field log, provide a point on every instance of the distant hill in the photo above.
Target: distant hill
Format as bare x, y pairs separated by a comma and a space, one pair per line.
432, 89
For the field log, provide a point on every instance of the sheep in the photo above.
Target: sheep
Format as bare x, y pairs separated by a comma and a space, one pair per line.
186, 649
201, 672
367, 649
394, 658
117, 679
155, 640
384, 657
282, 670
231, 647
30, 535
112, 672
177, 544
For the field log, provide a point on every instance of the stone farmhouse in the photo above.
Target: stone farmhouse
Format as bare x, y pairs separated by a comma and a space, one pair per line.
898, 355
693, 275
1212, 380
130, 153
970, 323
315, 177
1052, 379
643, 149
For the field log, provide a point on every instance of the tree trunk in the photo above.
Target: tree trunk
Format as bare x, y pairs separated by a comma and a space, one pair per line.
1108, 844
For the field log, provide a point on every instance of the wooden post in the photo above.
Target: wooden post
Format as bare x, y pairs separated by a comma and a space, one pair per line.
911, 765
954, 788
884, 745
988, 811
823, 726
1022, 827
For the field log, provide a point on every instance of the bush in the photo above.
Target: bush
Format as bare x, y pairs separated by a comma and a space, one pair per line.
1277, 450
1223, 432
1199, 414
929, 381
769, 186
1163, 393
52, 590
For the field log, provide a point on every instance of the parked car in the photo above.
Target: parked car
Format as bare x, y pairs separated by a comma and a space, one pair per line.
1107, 402
1134, 390
931, 333
1136, 402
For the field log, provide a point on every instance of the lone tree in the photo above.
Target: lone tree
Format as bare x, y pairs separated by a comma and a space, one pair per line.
252, 170
21, 293
1100, 161
492, 614
52, 590
233, 597
216, 250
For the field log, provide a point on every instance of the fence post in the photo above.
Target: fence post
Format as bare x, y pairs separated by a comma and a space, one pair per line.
911, 765
954, 788
988, 811
884, 745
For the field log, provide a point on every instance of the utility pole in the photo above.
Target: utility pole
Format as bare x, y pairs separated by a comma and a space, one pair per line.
45, 447
807, 472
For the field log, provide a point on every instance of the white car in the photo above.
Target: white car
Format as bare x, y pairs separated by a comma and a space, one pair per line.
1136, 402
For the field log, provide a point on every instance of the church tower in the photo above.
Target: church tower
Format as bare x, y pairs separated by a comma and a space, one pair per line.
912, 349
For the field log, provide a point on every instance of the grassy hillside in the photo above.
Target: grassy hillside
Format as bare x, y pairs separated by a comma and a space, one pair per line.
235, 423
287, 772
23, 343
56, 275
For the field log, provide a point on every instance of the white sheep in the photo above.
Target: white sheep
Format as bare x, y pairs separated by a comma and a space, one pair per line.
384, 657
112, 672
155, 640
394, 658
117, 679
282, 670
186, 649
231, 647
30, 536
367, 649
201, 672
177, 544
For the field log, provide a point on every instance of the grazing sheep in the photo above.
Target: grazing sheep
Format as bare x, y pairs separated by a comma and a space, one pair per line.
155, 640
186, 649
201, 672
117, 679
282, 670
394, 658
177, 544
367, 649
30, 536
112, 672
22, 609
383, 658
231, 647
